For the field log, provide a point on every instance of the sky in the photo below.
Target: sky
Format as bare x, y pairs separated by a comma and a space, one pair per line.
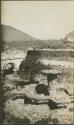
40, 19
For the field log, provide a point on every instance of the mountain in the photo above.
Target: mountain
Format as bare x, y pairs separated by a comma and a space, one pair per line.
16, 39
70, 36
10, 34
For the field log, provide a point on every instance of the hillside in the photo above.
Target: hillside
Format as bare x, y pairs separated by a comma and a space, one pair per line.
13, 38
11, 34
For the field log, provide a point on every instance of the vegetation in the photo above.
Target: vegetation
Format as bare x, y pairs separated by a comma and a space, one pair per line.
31, 67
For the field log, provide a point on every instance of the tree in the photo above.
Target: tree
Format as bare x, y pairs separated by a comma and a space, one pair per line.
30, 67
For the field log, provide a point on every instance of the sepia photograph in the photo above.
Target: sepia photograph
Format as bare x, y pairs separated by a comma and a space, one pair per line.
37, 62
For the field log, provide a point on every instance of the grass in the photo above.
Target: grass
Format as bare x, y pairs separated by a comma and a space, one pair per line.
69, 75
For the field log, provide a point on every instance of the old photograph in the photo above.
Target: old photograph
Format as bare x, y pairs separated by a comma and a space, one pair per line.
37, 62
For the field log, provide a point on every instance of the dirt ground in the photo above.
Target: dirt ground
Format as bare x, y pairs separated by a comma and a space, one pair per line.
17, 112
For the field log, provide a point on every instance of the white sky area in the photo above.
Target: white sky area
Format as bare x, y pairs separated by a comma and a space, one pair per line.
40, 19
